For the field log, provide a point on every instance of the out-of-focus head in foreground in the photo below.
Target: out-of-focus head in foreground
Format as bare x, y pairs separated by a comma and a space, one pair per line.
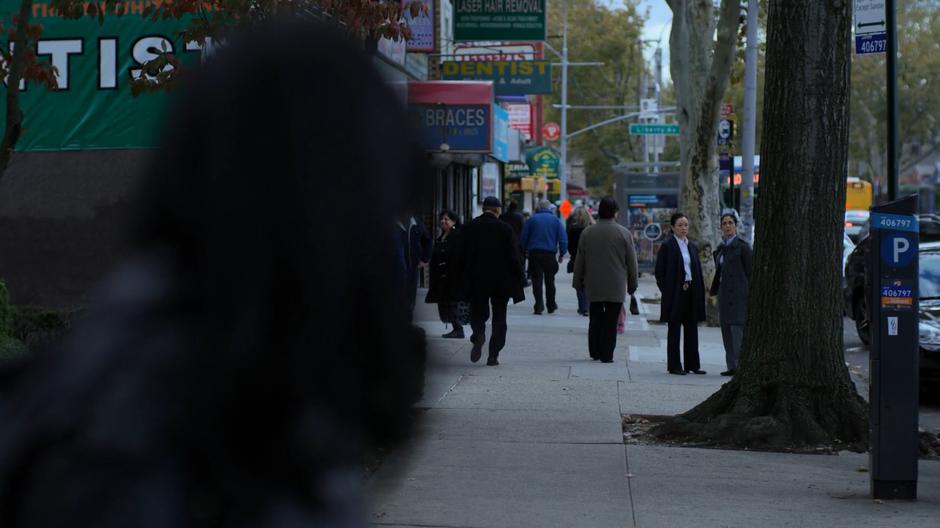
239, 361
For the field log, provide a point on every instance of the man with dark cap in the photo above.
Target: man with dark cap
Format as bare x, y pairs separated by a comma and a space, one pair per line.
492, 274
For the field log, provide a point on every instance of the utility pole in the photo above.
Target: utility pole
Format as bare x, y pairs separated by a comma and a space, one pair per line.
749, 128
563, 169
891, 27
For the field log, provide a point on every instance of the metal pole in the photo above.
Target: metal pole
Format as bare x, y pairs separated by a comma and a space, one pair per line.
891, 25
563, 169
749, 128
658, 141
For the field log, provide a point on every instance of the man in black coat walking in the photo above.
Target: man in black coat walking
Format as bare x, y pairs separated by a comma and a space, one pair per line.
492, 274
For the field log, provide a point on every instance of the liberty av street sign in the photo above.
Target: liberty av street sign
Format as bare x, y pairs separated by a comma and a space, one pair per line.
652, 129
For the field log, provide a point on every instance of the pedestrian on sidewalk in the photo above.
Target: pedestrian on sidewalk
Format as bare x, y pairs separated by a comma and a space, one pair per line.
491, 275
580, 220
604, 269
415, 244
679, 278
732, 281
543, 236
443, 275
514, 218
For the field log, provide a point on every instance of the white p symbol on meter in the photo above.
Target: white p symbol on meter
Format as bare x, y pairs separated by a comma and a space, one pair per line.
901, 245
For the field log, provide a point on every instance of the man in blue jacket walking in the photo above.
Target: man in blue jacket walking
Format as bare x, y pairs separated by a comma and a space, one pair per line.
542, 236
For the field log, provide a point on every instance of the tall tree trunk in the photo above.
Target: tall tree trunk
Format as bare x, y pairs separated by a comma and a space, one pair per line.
792, 387
701, 69
14, 117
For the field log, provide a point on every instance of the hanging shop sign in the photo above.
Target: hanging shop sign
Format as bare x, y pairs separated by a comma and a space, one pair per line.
509, 77
500, 134
543, 162
483, 51
96, 59
499, 20
454, 116
421, 24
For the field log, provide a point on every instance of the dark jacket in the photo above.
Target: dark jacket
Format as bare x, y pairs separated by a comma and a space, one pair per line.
574, 236
489, 260
416, 245
670, 274
515, 220
732, 280
443, 272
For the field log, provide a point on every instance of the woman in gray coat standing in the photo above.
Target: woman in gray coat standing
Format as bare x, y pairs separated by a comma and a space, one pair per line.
731, 285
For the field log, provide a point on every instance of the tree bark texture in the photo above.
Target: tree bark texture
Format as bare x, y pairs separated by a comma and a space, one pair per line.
701, 69
14, 117
793, 388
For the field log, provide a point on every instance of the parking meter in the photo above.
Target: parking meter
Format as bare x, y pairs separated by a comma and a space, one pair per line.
893, 388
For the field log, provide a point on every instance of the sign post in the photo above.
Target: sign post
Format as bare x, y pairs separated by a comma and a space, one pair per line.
893, 315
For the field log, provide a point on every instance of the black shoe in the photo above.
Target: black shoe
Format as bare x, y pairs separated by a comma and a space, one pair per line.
491, 361
677, 372
552, 308
731, 372
607, 361
698, 371
456, 333
476, 351
537, 312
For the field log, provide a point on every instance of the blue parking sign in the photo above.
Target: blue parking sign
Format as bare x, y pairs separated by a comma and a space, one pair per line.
898, 249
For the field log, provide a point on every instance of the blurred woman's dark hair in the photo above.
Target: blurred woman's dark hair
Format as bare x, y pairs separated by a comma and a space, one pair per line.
450, 214
249, 349
675, 218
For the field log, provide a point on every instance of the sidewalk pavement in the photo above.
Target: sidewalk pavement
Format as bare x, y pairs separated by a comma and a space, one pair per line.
537, 442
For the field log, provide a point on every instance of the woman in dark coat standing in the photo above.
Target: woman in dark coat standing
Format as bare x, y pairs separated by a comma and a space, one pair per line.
731, 285
679, 278
444, 286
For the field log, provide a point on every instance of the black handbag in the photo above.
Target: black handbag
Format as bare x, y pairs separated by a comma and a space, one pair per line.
634, 306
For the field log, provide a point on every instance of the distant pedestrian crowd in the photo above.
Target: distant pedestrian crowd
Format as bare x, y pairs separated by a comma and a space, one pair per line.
477, 268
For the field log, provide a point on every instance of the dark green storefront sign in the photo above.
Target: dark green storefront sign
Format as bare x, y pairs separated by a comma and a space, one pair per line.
509, 77
499, 20
93, 107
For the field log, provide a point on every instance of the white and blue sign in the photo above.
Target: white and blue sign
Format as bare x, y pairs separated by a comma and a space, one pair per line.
457, 128
870, 28
874, 43
893, 222
898, 250
500, 134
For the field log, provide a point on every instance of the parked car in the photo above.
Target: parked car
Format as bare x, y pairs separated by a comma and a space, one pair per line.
856, 299
854, 220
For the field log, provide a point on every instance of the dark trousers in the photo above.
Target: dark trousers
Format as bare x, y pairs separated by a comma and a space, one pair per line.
480, 312
687, 324
543, 266
602, 330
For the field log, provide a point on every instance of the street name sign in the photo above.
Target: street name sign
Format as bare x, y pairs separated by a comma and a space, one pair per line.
511, 20
870, 28
509, 77
641, 129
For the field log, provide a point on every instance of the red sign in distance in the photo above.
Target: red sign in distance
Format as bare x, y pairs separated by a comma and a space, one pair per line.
551, 131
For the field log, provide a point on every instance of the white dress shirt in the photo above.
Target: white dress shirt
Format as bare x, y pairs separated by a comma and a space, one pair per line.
686, 259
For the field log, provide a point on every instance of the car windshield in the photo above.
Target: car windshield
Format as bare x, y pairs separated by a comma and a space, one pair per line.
930, 275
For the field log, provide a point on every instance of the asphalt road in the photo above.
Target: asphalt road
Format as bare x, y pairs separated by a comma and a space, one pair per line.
856, 356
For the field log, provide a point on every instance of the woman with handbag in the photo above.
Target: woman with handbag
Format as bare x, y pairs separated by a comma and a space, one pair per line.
443, 288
